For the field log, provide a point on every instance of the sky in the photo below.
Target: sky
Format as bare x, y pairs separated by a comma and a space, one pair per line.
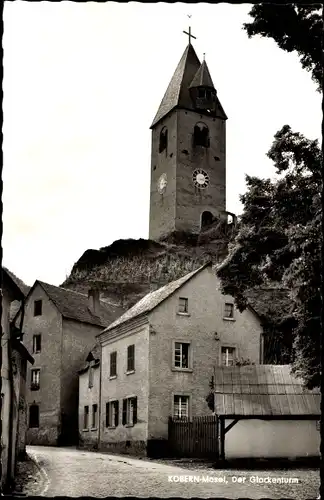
82, 83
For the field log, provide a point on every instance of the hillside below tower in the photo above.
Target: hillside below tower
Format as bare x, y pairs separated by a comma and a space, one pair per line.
188, 159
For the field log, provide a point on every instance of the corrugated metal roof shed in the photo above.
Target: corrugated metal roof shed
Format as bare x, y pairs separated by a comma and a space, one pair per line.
263, 390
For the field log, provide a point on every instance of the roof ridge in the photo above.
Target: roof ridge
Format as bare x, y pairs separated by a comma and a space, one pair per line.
127, 315
73, 291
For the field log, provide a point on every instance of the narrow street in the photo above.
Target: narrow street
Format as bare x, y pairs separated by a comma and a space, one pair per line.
75, 473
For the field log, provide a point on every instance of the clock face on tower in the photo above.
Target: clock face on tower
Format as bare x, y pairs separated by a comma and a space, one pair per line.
200, 178
162, 183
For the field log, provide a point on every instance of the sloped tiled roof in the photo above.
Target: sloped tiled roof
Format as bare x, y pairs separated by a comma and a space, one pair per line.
256, 390
177, 93
202, 78
23, 287
94, 354
153, 299
75, 305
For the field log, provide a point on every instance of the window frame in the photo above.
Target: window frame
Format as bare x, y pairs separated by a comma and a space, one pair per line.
234, 348
112, 419
228, 318
113, 375
35, 385
86, 413
128, 368
37, 303
181, 395
190, 355
185, 311
35, 337
94, 417
128, 403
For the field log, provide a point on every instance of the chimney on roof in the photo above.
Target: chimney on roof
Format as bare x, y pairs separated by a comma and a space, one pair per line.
94, 300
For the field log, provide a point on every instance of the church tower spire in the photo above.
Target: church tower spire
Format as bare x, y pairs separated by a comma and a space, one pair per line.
188, 180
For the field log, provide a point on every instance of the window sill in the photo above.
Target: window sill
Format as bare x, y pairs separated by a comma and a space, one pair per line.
34, 388
112, 377
85, 430
175, 369
94, 428
130, 372
182, 314
129, 425
229, 319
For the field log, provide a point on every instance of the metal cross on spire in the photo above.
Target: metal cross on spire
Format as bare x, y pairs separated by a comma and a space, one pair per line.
189, 33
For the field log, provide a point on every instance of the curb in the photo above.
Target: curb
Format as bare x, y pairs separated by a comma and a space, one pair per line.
41, 485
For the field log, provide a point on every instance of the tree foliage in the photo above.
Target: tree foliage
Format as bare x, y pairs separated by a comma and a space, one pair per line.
294, 27
279, 241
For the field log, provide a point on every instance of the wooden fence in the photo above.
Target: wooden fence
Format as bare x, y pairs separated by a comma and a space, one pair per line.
196, 437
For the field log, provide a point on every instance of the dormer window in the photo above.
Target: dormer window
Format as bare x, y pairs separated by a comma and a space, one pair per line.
163, 145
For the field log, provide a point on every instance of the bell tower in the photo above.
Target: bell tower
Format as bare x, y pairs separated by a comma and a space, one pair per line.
188, 158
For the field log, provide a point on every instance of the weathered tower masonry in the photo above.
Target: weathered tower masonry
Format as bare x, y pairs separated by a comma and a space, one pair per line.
188, 168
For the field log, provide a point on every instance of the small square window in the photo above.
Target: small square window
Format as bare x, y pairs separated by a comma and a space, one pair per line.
37, 308
229, 310
181, 354
37, 344
181, 406
113, 364
35, 377
228, 355
183, 305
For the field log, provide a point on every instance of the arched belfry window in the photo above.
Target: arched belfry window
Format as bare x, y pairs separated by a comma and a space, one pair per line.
163, 145
206, 219
201, 135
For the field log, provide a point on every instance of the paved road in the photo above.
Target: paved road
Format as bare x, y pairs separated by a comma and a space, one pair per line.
76, 473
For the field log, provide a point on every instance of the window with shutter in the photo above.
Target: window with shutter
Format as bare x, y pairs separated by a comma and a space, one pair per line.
131, 358
113, 364
94, 416
135, 410
112, 414
124, 411
130, 411
86, 417
116, 413
107, 414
